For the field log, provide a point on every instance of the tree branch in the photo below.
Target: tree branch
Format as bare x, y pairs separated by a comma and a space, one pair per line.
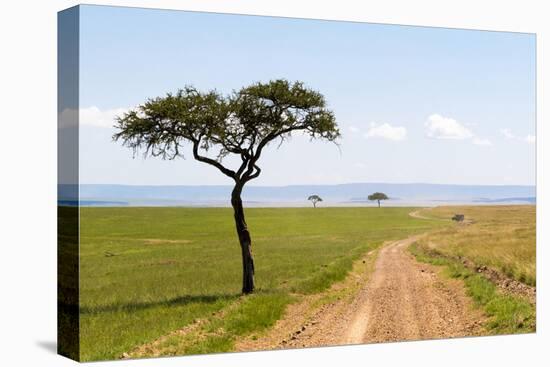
213, 162
245, 159
255, 174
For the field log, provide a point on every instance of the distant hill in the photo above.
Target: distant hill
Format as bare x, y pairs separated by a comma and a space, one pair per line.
296, 195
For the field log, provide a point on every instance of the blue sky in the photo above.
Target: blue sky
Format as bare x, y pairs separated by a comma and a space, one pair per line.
414, 104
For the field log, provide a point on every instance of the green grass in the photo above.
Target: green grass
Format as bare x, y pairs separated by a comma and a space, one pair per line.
148, 271
507, 314
500, 237
255, 314
67, 282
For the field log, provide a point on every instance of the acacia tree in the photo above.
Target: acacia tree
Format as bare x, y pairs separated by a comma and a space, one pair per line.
315, 199
378, 196
215, 126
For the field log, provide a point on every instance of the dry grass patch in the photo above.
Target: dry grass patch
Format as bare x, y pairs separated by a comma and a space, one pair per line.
499, 237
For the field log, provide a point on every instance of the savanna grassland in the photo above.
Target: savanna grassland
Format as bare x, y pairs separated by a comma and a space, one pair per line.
146, 272
499, 238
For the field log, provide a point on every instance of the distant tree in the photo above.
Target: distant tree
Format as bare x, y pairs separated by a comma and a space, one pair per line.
315, 199
215, 126
377, 196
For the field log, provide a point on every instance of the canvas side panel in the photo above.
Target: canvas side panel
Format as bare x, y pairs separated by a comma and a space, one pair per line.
68, 326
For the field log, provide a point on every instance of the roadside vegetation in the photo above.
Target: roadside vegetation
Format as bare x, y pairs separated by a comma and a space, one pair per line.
171, 276
507, 314
499, 237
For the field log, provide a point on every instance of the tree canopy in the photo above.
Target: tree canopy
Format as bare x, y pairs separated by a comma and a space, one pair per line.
315, 199
241, 123
377, 196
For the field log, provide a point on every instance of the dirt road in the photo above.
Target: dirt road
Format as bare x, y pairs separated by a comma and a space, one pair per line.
396, 299
409, 301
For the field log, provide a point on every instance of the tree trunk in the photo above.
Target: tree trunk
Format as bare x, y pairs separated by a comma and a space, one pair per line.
379, 203
314, 205
244, 240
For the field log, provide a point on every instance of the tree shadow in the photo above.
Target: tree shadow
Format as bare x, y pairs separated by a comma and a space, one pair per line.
177, 301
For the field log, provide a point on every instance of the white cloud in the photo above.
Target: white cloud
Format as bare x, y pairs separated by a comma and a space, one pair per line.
93, 116
530, 139
89, 116
353, 129
68, 118
440, 127
483, 142
386, 131
507, 133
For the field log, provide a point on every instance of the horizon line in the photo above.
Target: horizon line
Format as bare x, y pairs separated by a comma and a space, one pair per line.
291, 185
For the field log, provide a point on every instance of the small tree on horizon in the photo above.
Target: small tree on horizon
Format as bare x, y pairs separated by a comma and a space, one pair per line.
213, 126
315, 199
377, 196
